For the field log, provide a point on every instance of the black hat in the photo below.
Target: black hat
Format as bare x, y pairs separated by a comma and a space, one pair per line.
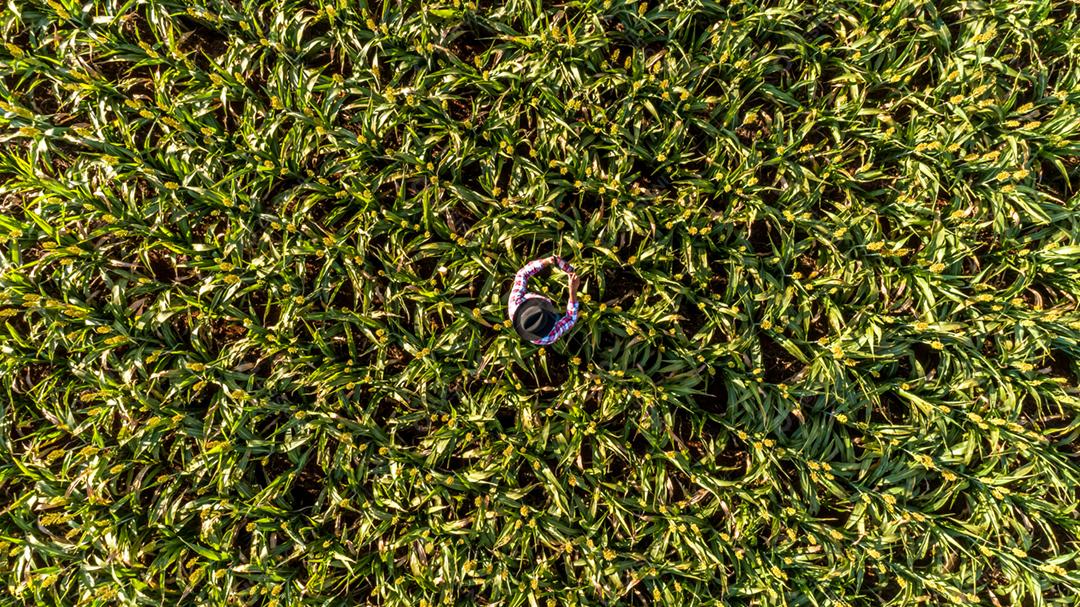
534, 318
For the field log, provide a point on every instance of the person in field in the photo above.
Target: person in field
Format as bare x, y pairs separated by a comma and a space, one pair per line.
534, 316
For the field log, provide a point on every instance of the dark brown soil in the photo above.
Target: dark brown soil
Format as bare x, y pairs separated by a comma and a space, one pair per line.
162, 268
694, 318
207, 43
927, 356
778, 364
892, 409
731, 463
715, 399
622, 286
308, 486
760, 237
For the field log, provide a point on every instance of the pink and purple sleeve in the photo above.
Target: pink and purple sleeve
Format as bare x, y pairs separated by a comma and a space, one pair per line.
562, 325
521, 280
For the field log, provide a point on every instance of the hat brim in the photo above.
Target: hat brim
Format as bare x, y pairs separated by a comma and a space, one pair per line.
535, 302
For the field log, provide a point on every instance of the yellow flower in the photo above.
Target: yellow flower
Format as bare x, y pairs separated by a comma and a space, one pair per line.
925, 460
937, 268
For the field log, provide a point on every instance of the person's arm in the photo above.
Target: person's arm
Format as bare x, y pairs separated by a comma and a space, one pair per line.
521, 280
566, 322
574, 281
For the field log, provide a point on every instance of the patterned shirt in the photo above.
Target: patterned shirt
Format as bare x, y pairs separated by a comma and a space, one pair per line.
518, 294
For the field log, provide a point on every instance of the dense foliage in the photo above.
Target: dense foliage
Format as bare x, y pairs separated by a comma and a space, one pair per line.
254, 259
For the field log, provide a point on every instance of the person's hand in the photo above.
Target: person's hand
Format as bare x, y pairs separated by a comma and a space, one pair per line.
575, 280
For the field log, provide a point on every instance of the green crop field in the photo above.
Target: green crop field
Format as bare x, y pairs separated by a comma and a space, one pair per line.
254, 265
